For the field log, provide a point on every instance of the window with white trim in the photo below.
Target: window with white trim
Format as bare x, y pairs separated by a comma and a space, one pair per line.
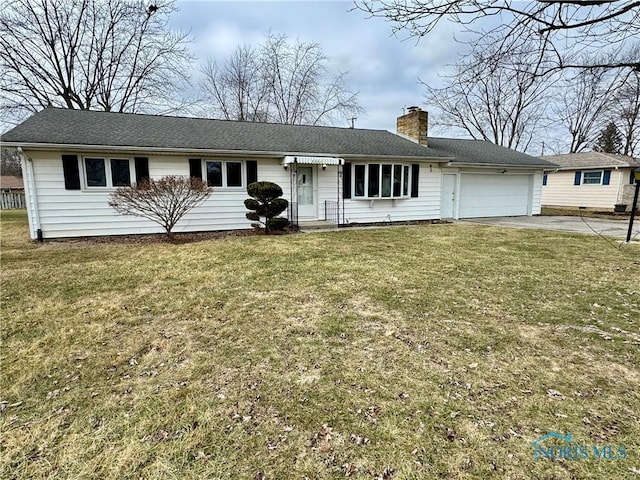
592, 178
380, 180
100, 172
224, 173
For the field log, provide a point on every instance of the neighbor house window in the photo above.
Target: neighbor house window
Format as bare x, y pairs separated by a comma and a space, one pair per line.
381, 180
592, 178
224, 173
107, 172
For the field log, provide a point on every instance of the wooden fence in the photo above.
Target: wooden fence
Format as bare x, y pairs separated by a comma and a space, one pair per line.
12, 200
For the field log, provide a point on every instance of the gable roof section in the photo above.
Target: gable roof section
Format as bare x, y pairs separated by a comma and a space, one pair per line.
582, 160
56, 126
482, 152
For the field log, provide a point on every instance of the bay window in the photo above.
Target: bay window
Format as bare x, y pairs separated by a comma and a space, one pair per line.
381, 180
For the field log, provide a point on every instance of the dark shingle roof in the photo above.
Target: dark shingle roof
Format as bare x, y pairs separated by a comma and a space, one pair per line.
481, 152
573, 161
81, 127
58, 126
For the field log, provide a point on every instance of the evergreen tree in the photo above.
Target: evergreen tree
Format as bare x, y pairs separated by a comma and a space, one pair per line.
609, 140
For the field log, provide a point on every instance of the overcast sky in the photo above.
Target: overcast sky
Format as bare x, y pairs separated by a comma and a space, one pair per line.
384, 69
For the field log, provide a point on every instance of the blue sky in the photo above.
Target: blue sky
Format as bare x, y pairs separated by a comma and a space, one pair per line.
384, 69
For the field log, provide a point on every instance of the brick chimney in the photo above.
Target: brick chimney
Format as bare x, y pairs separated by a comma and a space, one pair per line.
413, 125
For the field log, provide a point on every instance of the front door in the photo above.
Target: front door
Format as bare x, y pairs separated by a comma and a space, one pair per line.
448, 195
306, 195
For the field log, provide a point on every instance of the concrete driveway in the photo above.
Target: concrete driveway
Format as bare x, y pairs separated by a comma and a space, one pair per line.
592, 226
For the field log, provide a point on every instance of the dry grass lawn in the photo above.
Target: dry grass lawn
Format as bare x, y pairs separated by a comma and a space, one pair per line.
400, 353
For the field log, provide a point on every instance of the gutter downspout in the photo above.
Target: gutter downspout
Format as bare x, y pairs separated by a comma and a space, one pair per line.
31, 196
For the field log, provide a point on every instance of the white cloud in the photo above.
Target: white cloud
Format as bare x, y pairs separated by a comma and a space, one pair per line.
381, 67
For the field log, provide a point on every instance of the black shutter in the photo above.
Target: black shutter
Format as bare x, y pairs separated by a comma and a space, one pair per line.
606, 177
252, 171
71, 172
415, 172
142, 169
576, 178
346, 180
195, 168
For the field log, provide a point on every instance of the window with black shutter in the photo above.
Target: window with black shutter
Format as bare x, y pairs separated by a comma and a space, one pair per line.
71, 172
142, 169
346, 180
195, 168
252, 171
415, 172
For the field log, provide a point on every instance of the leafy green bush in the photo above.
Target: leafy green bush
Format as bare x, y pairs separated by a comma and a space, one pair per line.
265, 202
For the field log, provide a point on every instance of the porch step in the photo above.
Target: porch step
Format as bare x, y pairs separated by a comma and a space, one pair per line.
307, 225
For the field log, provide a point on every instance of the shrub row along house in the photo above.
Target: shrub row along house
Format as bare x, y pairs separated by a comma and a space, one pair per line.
73, 159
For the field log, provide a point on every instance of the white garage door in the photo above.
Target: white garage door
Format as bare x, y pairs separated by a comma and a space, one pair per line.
494, 195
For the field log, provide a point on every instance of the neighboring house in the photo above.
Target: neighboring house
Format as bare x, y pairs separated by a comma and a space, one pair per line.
11, 192
589, 179
73, 159
10, 183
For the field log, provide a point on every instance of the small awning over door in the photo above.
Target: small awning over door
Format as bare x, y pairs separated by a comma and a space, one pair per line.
312, 160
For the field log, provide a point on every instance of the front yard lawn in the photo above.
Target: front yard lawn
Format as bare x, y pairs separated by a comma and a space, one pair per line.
399, 353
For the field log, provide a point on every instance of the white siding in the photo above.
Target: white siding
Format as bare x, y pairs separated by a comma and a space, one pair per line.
494, 195
272, 171
533, 187
561, 192
536, 197
424, 207
72, 213
328, 188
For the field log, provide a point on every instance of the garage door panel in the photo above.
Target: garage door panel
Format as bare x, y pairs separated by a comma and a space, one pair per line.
494, 195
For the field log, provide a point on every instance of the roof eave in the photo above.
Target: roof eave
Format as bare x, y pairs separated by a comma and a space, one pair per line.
209, 151
498, 165
592, 167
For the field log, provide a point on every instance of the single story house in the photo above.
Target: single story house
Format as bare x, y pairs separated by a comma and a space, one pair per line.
589, 179
73, 159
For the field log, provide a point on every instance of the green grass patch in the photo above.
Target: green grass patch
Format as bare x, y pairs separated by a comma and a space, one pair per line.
399, 353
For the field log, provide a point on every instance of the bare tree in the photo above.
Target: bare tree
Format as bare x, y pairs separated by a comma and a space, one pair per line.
582, 106
113, 55
164, 201
627, 108
10, 162
236, 88
278, 81
497, 98
561, 29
